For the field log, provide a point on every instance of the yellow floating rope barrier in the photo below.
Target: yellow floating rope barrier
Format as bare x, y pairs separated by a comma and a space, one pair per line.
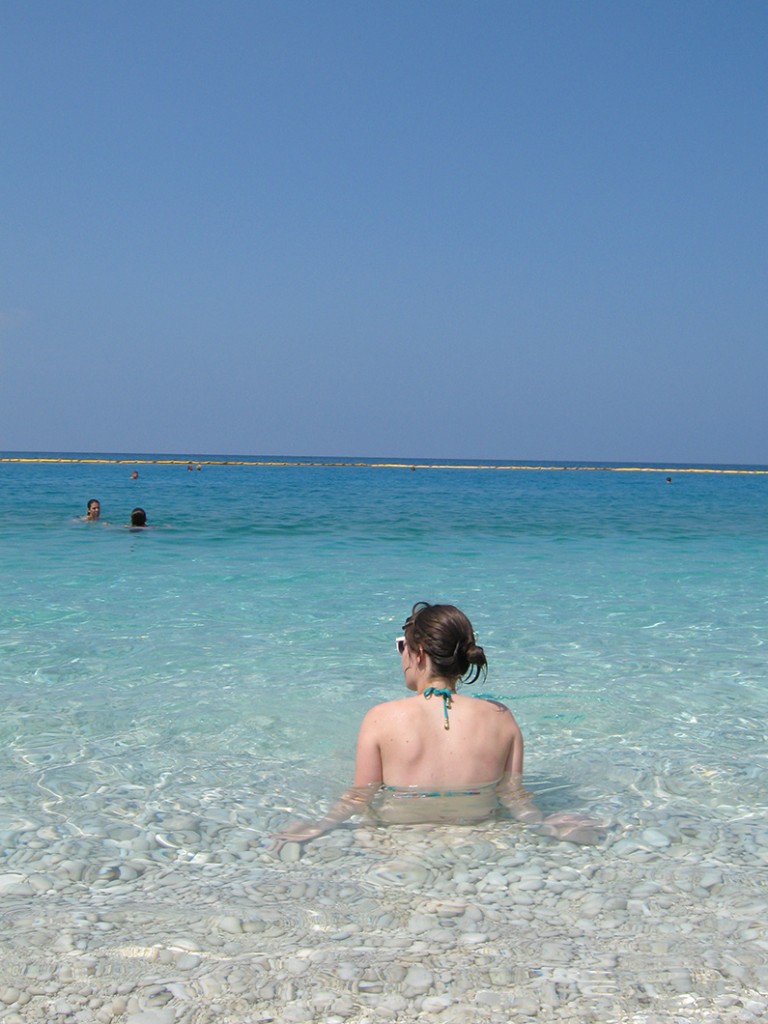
382, 465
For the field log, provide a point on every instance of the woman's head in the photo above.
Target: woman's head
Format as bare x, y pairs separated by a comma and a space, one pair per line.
445, 633
138, 517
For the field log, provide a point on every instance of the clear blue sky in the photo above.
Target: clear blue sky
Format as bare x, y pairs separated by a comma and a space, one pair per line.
512, 229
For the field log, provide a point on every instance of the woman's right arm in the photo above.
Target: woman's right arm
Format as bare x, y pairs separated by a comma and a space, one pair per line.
514, 763
574, 828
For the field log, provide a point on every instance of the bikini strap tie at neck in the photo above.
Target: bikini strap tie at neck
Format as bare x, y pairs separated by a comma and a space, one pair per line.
432, 691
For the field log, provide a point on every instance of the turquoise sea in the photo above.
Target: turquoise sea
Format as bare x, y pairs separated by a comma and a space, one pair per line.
212, 671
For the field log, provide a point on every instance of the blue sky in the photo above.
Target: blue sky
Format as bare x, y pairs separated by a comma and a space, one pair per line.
502, 229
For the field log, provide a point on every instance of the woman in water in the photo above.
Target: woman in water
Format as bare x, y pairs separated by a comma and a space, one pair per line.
138, 519
93, 511
439, 756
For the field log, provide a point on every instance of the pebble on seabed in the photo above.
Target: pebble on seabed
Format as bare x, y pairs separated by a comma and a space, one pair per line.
155, 925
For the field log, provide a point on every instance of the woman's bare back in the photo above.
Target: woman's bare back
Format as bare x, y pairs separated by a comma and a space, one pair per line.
405, 743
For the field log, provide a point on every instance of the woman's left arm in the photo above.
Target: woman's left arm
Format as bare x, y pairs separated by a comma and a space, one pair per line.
368, 764
353, 800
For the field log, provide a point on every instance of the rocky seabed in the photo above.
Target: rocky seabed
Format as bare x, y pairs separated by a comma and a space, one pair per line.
183, 916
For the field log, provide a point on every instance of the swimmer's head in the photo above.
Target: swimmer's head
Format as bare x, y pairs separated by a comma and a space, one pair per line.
138, 517
445, 633
94, 508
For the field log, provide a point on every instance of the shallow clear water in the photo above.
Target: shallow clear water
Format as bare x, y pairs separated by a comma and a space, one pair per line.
624, 618
229, 652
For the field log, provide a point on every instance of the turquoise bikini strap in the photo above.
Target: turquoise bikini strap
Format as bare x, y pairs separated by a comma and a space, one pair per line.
432, 691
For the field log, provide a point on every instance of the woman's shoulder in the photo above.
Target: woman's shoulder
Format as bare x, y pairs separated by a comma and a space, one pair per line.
493, 710
388, 710
391, 707
485, 705
495, 705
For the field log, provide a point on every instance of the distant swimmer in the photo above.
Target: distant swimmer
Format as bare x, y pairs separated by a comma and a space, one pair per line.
138, 519
93, 512
135, 475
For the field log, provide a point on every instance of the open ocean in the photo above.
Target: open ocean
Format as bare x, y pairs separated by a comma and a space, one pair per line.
172, 696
